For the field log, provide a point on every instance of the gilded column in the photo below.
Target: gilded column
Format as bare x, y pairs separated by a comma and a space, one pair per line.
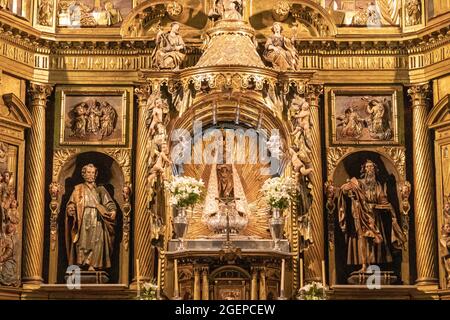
33, 242
142, 225
262, 284
197, 283
254, 285
424, 206
205, 284
316, 252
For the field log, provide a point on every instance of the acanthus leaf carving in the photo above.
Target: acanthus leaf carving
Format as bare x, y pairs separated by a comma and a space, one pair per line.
123, 159
398, 157
334, 155
60, 157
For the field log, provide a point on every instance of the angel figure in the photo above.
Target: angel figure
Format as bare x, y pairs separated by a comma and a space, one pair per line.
78, 123
352, 124
301, 113
379, 122
156, 108
108, 119
160, 164
275, 145
299, 167
181, 153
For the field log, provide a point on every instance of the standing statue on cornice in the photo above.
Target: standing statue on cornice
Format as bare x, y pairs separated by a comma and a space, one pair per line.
45, 13
228, 10
4, 4
169, 46
413, 12
280, 50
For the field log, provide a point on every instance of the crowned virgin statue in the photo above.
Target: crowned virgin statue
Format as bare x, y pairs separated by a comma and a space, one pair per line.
225, 204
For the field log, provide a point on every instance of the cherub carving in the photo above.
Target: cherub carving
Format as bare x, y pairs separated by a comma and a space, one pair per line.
159, 165
157, 107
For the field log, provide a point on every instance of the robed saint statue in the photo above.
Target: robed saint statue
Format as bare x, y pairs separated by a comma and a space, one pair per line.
90, 222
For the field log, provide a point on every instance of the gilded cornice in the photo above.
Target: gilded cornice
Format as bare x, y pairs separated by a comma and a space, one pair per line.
409, 52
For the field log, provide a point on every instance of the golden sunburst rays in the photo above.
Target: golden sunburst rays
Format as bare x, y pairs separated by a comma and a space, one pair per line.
252, 178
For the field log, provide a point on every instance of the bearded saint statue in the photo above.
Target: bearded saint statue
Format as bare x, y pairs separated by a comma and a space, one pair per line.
369, 238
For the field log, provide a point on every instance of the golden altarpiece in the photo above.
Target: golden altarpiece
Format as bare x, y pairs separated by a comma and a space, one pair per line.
104, 102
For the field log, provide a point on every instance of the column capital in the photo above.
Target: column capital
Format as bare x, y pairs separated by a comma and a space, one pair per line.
419, 94
142, 92
313, 93
204, 269
197, 269
39, 93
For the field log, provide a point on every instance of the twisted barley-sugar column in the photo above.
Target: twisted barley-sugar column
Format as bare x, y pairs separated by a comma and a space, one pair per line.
315, 253
142, 225
424, 207
33, 240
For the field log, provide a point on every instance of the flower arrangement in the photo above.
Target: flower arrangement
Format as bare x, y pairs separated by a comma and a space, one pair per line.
185, 191
148, 291
278, 192
312, 291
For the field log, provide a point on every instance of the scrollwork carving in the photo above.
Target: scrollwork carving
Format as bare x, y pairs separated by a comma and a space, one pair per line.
174, 9
330, 195
405, 191
397, 155
126, 208
123, 158
444, 241
60, 157
335, 155
281, 10
54, 190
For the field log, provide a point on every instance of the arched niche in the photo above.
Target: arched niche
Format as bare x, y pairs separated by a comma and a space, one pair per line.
256, 121
230, 281
391, 175
310, 18
145, 19
111, 176
439, 123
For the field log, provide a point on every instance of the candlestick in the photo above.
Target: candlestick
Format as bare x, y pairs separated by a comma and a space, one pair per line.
301, 272
176, 292
323, 274
158, 284
138, 278
283, 266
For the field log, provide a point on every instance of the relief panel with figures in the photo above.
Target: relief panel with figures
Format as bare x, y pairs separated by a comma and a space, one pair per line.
93, 117
92, 13
10, 220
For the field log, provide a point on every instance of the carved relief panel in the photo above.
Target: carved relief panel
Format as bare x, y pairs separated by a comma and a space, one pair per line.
364, 139
94, 127
439, 122
362, 115
14, 118
92, 13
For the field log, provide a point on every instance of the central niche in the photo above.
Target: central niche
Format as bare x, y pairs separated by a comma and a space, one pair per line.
233, 161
